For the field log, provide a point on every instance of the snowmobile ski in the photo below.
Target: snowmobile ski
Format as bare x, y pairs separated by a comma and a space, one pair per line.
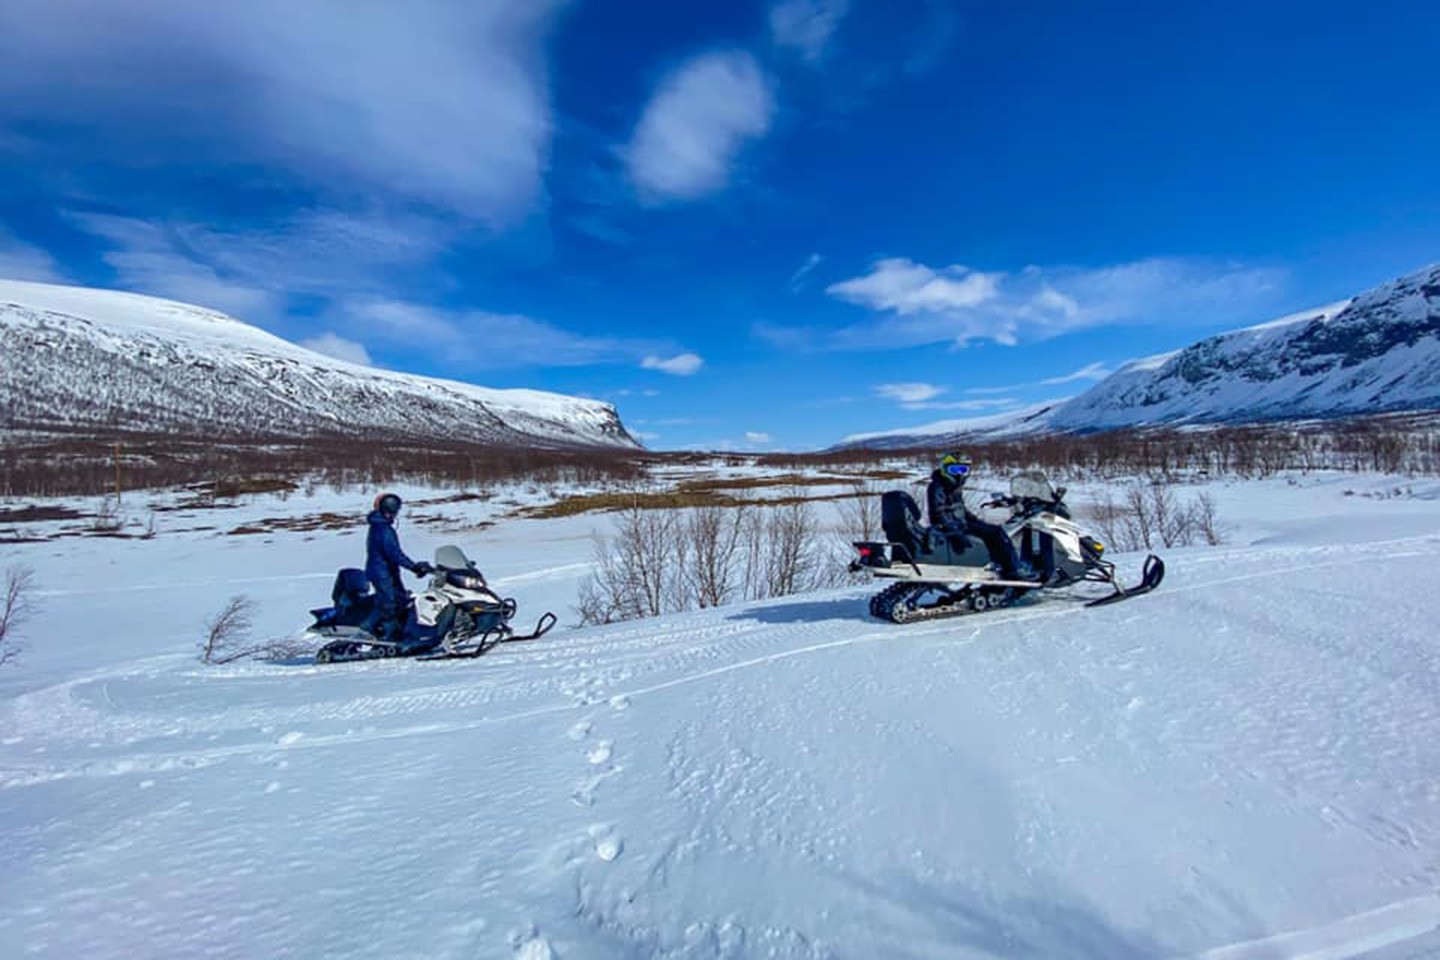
1150, 578
468, 650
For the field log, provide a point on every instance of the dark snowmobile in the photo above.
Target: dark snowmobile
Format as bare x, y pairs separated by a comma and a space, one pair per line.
456, 615
938, 576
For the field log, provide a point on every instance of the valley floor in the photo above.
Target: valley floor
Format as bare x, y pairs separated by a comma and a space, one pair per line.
1243, 765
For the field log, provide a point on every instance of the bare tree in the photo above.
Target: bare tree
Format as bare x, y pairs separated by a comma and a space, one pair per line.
16, 607
226, 632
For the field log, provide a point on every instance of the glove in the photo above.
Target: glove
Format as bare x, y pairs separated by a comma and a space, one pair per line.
423, 569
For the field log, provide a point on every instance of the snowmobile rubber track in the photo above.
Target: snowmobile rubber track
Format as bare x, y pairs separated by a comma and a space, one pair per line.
893, 603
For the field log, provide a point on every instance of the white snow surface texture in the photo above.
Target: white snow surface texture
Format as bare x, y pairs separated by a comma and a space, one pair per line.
77, 357
1377, 352
1244, 764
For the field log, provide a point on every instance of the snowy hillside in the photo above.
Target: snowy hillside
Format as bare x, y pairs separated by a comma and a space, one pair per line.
1376, 353
75, 359
1242, 765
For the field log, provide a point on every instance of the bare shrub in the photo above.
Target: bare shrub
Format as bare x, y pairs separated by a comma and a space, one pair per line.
1204, 518
860, 513
227, 631
714, 536
16, 607
663, 561
1150, 515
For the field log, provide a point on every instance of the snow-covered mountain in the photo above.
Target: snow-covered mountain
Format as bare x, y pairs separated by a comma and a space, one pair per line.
1378, 352
74, 359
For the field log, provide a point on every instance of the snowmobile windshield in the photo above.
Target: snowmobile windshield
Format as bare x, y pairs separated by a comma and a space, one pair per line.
452, 558
1032, 485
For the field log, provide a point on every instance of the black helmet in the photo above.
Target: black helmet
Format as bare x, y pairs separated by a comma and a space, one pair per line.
388, 504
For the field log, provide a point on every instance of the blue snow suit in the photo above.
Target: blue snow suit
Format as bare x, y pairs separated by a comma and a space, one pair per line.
383, 560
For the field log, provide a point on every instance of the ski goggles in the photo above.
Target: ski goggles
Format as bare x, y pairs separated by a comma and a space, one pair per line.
957, 469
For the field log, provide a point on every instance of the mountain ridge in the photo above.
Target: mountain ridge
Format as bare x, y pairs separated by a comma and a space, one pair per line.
1377, 352
74, 359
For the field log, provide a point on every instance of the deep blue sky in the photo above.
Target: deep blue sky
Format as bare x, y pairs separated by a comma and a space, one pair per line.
750, 225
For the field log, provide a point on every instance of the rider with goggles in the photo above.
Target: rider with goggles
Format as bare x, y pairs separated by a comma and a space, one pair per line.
946, 506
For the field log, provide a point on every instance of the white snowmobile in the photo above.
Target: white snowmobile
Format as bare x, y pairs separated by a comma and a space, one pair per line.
456, 615
939, 576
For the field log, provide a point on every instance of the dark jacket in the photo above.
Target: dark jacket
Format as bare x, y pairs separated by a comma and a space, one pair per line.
945, 504
383, 556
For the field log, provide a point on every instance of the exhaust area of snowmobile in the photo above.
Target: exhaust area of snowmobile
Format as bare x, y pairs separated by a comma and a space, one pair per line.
457, 616
938, 576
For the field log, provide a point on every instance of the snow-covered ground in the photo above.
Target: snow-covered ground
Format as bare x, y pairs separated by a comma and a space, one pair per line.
1244, 764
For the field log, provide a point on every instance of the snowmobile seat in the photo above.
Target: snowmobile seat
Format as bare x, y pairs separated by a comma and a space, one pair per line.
900, 519
350, 584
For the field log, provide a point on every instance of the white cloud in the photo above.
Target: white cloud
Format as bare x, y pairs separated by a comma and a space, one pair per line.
680, 365
1091, 371
906, 287
695, 125
338, 347
798, 278
23, 261
916, 304
909, 392
445, 103
806, 25
756, 437
644, 436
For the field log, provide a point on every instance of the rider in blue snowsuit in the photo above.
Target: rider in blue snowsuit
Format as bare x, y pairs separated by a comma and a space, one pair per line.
383, 560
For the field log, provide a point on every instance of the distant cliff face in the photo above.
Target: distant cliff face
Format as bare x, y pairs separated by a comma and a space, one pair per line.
74, 360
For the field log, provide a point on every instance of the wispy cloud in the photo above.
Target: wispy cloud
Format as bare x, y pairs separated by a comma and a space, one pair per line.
1091, 371
909, 392
333, 345
922, 396
680, 365
153, 259
476, 339
917, 304
444, 103
23, 261
695, 125
806, 26
798, 278
757, 437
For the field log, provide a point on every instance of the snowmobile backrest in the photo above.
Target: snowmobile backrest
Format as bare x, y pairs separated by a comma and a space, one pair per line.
900, 519
1033, 484
349, 584
452, 557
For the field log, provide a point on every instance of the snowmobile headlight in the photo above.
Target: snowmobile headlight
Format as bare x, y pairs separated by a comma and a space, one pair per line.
465, 579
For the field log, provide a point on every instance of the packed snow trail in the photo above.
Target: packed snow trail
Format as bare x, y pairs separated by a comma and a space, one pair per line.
1240, 765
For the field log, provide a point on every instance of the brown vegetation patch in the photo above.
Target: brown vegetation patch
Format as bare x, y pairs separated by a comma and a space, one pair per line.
34, 514
319, 521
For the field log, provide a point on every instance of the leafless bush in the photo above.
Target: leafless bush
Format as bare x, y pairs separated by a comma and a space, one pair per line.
860, 513
662, 561
715, 536
1205, 518
227, 631
16, 607
1150, 515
